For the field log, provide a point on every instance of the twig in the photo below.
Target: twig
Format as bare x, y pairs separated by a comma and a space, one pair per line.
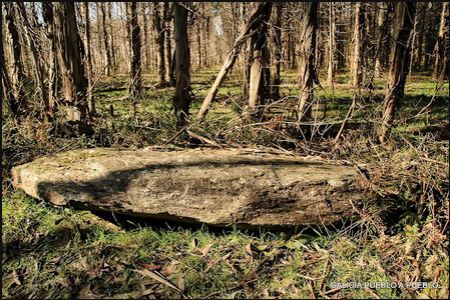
345, 120
177, 134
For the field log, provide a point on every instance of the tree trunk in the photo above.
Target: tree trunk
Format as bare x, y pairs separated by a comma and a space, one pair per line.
87, 25
111, 33
73, 79
19, 94
332, 30
7, 89
358, 53
47, 13
421, 34
39, 70
168, 20
146, 42
182, 99
382, 38
135, 85
399, 60
259, 69
278, 50
106, 40
307, 64
160, 40
246, 33
442, 43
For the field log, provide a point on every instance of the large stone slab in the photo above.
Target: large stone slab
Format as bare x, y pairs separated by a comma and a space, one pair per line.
217, 187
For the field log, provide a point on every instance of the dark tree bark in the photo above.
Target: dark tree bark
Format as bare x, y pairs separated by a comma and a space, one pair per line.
441, 63
135, 84
87, 25
278, 50
422, 7
73, 79
7, 89
47, 13
111, 33
307, 63
18, 102
399, 60
182, 99
160, 40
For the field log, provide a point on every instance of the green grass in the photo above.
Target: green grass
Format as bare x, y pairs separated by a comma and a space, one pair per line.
69, 254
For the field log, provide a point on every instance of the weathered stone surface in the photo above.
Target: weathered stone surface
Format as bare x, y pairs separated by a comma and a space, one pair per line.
217, 187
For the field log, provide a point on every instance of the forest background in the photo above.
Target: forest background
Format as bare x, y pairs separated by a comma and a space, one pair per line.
362, 83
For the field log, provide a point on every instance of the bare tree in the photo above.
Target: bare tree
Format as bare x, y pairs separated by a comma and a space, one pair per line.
259, 69
307, 63
48, 16
278, 49
18, 102
73, 79
441, 63
135, 85
160, 40
380, 52
39, 70
168, 10
399, 63
87, 26
106, 40
7, 89
332, 44
358, 53
182, 98
248, 31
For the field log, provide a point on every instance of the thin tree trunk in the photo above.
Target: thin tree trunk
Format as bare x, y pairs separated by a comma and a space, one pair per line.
442, 43
307, 61
278, 50
400, 56
421, 32
106, 40
168, 20
135, 84
382, 38
246, 33
182, 99
358, 53
259, 70
111, 33
39, 70
332, 24
73, 79
47, 13
7, 89
87, 25
160, 40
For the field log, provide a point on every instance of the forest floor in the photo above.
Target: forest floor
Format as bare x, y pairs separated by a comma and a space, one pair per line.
397, 248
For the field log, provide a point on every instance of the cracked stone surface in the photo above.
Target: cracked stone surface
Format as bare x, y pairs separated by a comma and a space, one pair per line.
217, 187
